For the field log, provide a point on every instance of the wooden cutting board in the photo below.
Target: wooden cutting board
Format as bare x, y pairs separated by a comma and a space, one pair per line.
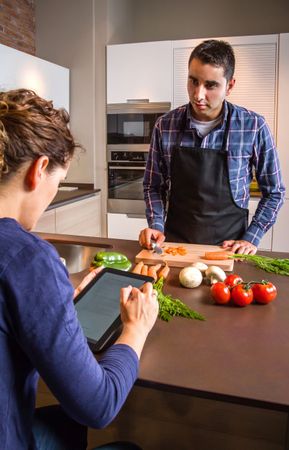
195, 252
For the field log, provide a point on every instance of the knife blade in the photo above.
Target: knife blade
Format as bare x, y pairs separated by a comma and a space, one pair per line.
156, 248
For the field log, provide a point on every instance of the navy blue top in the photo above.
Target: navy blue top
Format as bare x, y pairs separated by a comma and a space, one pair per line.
40, 334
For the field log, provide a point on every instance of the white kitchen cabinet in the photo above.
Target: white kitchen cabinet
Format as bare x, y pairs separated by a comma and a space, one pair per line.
124, 226
82, 218
283, 110
280, 241
139, 71
46, 223
49, 80
266, 241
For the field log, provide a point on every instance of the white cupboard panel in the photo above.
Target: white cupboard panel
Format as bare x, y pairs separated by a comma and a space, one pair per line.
280, 230
123, 226
46, 223
266, 241
283, 109
21, 70
81, 218
139, 71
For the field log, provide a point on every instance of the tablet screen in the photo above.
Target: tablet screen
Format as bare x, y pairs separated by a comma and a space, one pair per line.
98, 305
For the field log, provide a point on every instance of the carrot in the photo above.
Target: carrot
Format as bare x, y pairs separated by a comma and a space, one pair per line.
144, 270
138, 267
182, 251
218, 256
152, 271
163, 273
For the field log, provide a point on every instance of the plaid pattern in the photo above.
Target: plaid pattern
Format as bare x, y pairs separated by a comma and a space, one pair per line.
250, 145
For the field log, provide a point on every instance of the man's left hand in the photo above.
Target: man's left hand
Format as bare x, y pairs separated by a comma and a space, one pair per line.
241, 247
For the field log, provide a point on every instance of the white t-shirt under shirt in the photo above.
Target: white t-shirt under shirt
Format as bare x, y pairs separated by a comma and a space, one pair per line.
204, 128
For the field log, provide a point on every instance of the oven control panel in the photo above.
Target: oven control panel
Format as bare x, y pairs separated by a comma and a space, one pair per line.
128, 156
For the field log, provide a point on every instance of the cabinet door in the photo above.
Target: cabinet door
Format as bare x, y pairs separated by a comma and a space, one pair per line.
266, 241
124, 226
283, 108
80, 218
280, 230
139, 71
46, 223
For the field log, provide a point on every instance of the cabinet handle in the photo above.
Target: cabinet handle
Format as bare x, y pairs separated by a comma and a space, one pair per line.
135, 216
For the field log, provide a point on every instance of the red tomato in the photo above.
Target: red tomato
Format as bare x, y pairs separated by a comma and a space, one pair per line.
220, 293
264, 292
232, 280
242, 295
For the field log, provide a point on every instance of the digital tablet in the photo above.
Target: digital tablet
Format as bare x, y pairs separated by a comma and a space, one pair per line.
98, 306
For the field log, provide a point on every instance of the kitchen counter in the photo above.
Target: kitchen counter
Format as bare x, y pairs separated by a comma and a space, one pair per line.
72, 192
237, 355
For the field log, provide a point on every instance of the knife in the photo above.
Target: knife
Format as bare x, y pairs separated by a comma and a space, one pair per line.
156, 248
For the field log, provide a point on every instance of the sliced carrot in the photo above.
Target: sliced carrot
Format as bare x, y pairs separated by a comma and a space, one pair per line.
138, 267
218, 256
163, 273
182, 251
144, 270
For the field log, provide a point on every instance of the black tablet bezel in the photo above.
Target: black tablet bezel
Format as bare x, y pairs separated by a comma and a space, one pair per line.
115, 328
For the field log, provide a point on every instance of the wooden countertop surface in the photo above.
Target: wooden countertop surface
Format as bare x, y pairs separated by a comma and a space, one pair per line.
238, 354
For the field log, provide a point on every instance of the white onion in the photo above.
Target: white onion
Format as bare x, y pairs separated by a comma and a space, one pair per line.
190, 277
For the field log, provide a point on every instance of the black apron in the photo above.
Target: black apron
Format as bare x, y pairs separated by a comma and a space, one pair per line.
201, 209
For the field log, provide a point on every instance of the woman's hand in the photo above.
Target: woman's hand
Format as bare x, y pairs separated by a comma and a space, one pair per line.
87, 279
139, 311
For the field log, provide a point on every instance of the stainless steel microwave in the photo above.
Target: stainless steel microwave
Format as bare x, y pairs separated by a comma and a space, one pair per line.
130, 125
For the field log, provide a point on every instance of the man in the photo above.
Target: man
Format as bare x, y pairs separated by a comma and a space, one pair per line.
201, 161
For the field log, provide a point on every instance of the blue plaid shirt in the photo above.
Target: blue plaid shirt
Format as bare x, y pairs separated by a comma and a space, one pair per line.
250, 145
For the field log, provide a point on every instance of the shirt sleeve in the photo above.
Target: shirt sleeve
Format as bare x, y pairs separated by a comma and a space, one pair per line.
154, 192
46, 327
268, 175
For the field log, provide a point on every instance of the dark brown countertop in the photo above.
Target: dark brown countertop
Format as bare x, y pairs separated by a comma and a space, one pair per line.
238, 354
63, 196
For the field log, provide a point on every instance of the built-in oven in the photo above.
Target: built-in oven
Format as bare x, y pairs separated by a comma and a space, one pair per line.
125, 181
131, 123
129, 130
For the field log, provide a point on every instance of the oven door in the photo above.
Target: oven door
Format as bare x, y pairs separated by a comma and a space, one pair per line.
125, 188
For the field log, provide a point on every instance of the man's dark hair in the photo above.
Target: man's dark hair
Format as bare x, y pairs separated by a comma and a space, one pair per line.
216, 53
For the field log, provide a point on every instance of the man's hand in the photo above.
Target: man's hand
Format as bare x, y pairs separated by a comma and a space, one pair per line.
148, 235
240, 247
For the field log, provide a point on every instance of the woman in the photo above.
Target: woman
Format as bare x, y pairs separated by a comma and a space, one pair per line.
39, 329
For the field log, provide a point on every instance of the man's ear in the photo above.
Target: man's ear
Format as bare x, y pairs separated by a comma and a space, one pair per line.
36, 172
230, 86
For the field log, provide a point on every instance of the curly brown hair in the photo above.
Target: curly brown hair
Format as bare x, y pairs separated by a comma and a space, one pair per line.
31, 127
